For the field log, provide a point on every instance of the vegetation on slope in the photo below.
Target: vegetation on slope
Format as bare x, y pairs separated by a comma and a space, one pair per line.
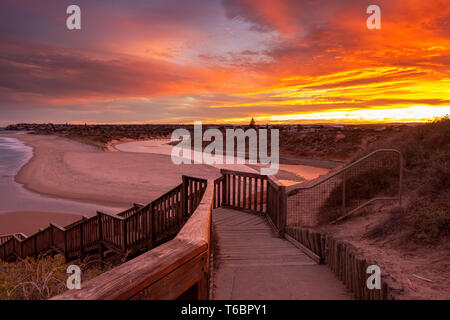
37, 278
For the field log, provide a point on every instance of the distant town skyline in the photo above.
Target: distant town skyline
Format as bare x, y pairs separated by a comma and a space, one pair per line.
224, 61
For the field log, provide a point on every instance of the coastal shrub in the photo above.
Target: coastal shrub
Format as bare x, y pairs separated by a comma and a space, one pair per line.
37, 278
32, 279
388, 226
426, 153
430, 222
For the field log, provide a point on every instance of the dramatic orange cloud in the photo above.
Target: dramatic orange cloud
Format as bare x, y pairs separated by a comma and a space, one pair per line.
224, 61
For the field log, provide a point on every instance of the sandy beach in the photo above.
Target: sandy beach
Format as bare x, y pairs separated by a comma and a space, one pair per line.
73, 170
67, 169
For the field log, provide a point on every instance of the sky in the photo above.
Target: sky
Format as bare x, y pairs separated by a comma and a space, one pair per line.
224, 61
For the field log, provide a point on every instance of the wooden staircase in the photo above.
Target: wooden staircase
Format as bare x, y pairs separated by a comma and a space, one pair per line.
141, 227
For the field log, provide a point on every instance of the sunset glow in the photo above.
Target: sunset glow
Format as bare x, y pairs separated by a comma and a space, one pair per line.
224, 62
351, 116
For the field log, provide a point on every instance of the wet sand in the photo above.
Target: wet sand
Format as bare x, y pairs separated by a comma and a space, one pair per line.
72, 170
29, 222
68, 169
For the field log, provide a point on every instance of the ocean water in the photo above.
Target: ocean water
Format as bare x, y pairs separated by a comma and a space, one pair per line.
14, 197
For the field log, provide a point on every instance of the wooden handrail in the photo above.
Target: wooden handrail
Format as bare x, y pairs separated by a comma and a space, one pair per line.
6, 237
165, 272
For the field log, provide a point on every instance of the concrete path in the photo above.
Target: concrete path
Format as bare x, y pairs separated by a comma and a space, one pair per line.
250, 262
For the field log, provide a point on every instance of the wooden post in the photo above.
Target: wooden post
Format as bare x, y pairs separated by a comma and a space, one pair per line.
239, 192
202, 285
234, 190
202, 288
256, 195
149, 216
124, 230
35, 247
184, 198
224, 190
282, 210
100, 238
191, 197
262, 196
52, 245
244, 193
81, 242
21, 249
66, 255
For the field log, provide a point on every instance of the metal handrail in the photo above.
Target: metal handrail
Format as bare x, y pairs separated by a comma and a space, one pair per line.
298, 188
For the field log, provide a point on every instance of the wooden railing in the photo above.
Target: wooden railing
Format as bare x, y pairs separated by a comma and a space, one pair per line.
346, 191
6, 237
276, 205
244, 191
137, 228
252, 192
176, 269
302, 205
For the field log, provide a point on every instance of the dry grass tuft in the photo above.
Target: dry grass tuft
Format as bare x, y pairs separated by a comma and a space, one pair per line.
426, 150
38, 278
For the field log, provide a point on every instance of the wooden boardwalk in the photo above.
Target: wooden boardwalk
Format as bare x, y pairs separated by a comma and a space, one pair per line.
250, 262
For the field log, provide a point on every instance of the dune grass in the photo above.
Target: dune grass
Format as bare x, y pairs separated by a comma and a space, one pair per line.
426, 152
37, 278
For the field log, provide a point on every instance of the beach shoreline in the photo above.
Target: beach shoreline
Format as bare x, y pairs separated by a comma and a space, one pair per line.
64, 169
77, 171
69, 169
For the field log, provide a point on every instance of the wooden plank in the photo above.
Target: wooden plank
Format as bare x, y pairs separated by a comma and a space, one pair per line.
130, 278
177, 282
